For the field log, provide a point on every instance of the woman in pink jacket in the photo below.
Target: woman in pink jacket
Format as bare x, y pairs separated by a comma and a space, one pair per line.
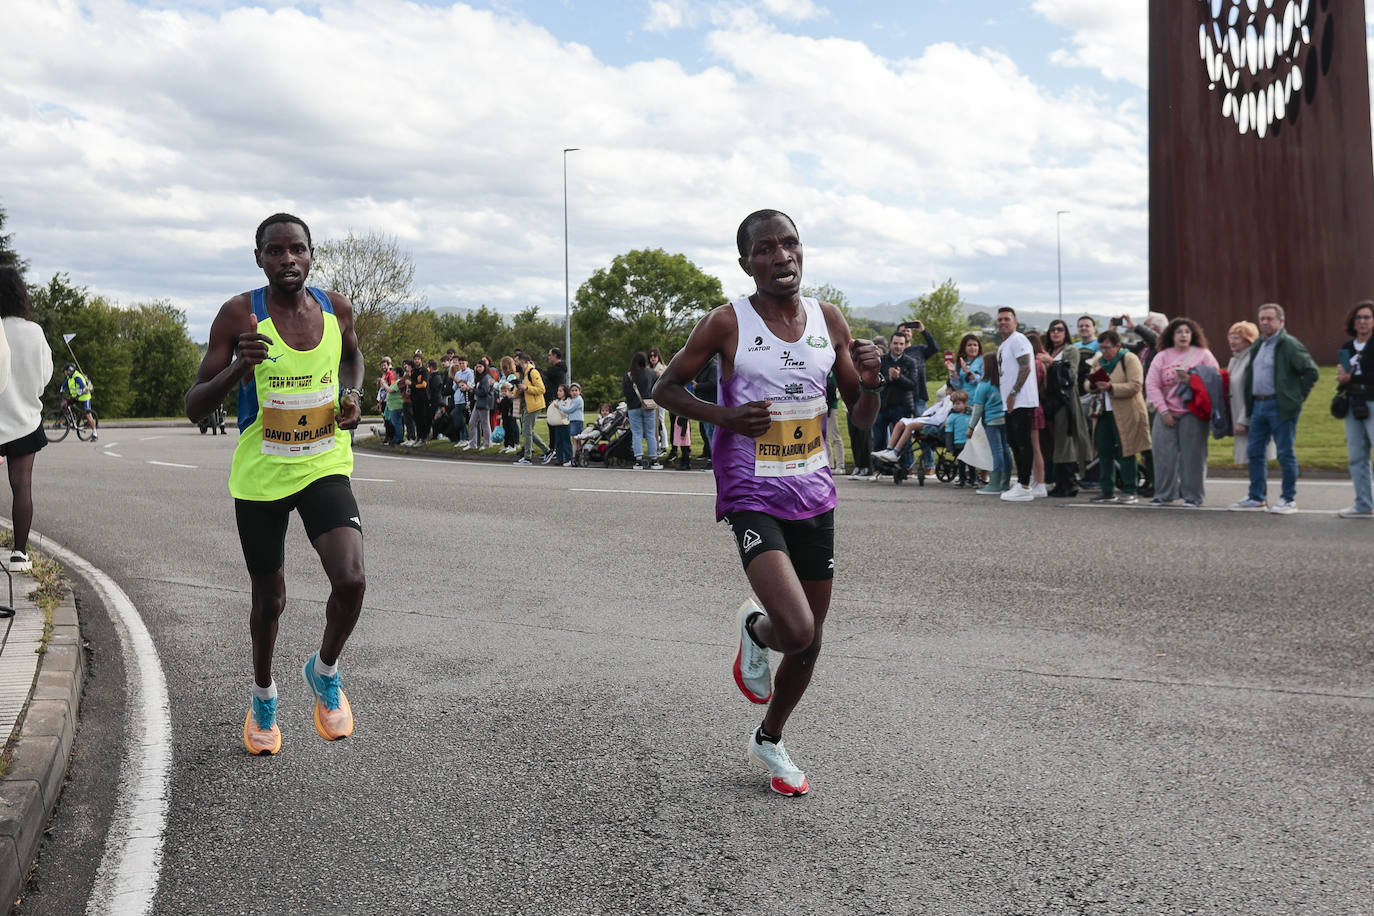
1179, 437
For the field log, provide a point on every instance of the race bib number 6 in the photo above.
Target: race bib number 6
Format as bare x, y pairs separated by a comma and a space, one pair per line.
298, 424
794, 444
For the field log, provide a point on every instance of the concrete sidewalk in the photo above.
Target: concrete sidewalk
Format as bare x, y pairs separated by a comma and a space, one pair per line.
40, 694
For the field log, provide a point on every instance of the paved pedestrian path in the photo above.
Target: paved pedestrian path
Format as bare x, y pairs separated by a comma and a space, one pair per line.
39, 697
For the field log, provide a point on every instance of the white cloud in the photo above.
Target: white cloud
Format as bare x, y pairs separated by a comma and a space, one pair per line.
149, 144
1109, 37
666, 15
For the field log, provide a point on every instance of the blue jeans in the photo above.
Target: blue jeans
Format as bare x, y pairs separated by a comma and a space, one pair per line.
1359, 439
1265, 425
562, 443
397, 427
643, 425
997, 441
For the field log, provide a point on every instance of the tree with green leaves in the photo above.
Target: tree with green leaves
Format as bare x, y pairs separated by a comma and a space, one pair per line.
828, 292
8, 256
646, 298
942, 312
375, 274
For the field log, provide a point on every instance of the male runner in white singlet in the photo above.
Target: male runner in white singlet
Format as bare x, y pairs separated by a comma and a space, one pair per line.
773, 482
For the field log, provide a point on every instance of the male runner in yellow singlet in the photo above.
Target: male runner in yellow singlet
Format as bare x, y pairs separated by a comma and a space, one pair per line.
292, 352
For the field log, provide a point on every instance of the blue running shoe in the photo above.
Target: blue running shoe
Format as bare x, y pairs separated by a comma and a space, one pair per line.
333, 714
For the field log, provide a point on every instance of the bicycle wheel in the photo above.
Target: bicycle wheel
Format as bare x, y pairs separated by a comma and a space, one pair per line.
83, 432
55, 426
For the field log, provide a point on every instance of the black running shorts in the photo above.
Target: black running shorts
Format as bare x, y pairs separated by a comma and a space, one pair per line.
808, 542
324, 505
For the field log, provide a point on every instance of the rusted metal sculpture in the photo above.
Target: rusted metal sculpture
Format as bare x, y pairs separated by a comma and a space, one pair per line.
1261, 168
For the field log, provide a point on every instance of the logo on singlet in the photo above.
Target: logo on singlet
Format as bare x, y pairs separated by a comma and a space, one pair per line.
817, 343
794, 388
327, 378
759, 346
789, 363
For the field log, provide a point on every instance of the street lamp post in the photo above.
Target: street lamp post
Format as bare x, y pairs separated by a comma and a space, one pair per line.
1058, 258
567, 297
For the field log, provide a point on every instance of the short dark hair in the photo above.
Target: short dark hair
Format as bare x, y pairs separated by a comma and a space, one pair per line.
14, 295
758, 216
1007, 308
1089, 317
555, 353
1349, 319
1109, 336
281, 218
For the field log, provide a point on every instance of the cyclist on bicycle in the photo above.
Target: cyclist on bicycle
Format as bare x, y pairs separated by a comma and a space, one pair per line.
79, 389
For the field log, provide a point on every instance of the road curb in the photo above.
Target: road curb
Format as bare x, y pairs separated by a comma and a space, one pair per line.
41, 750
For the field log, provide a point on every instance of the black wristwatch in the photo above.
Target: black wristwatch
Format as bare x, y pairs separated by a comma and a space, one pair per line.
882, 383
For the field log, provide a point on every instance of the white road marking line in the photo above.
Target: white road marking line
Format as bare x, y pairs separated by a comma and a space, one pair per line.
640, 492
374, 479
113, 454
128, 874
149, 438
169, 464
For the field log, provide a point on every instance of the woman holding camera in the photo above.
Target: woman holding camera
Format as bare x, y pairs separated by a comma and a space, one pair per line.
1355, 376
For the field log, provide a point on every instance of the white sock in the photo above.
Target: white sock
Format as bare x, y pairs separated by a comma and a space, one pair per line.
324, 670
265, 693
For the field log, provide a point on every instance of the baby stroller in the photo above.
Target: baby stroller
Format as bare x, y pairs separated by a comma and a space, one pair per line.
214, 423
594, 442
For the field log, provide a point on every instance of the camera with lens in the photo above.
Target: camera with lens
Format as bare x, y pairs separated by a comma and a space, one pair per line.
1118, 321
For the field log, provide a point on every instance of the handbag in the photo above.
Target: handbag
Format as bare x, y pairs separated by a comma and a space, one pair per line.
1340, 404
977, 451
555, 416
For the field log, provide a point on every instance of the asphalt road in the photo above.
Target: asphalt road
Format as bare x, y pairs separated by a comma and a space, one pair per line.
1020, 708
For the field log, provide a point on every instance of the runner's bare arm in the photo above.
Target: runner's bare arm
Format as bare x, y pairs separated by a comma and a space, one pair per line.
351, 365
235, 348
856, 362
714, 335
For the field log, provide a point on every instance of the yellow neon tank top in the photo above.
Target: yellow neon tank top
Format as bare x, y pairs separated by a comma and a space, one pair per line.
287, 437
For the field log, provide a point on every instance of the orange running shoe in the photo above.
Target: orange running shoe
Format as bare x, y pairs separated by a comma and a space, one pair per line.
260, 732
333, 715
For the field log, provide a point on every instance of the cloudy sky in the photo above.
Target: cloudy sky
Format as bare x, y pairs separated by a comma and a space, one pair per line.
912, 140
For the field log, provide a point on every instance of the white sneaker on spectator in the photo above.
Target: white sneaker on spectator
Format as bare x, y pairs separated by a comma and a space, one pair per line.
1018, 494
462, 443
1352, 512
1284, 507
656, 466
1038, 491
888, 454
1248, 505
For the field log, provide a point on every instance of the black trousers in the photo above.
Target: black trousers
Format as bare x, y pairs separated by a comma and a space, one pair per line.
861, 444
1019, 432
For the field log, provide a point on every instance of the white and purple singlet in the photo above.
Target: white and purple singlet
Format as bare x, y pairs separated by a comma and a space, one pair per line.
786, 471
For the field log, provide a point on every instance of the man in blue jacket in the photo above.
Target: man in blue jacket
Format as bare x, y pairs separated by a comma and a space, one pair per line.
1277, 381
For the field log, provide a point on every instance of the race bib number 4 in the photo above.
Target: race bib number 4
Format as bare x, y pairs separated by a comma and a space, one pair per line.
794, 444
298, 424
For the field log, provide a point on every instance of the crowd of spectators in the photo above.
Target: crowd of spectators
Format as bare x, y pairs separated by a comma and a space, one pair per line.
1126, 411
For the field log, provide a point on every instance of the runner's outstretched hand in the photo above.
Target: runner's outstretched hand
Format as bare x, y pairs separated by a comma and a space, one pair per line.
867, 360
749, 419
251, 347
